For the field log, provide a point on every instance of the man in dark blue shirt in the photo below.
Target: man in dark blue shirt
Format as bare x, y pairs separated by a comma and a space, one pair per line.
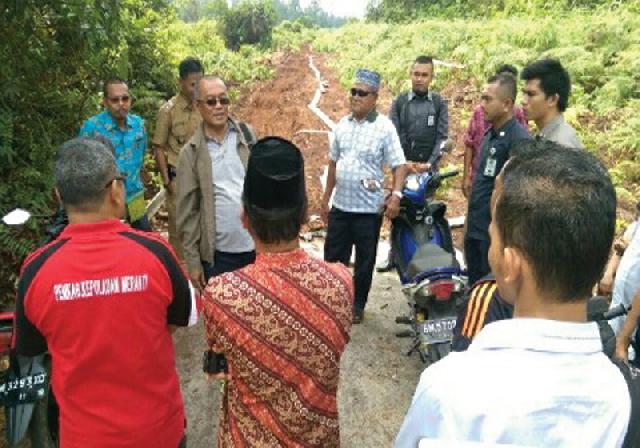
498, 99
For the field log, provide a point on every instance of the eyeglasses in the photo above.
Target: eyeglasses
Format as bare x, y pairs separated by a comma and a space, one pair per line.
119, 177
214, 101
117, 99
360, 92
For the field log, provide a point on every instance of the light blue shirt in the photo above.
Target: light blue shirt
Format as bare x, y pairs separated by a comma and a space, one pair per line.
524, 382
228, 180
130, 146
361, 149
627, 282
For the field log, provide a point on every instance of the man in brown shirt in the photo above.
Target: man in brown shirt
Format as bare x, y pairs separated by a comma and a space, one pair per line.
177, 121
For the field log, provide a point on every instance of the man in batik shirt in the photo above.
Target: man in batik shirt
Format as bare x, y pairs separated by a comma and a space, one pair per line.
282, 322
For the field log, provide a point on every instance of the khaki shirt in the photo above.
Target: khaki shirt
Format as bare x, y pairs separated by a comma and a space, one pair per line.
177, 121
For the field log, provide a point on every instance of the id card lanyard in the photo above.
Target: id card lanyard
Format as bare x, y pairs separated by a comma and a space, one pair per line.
492, 163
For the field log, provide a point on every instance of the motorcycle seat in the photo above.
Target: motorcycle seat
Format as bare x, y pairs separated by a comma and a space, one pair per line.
429, 257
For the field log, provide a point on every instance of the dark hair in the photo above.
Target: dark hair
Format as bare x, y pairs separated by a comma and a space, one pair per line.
423, 60
188, 66
558, 207
507, 83
276, 226
83, 168
111, 81
507, 69
553, 77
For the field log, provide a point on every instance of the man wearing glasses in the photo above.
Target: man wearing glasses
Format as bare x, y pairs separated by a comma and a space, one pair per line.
211, 169
127, 134
365, 141
177, 121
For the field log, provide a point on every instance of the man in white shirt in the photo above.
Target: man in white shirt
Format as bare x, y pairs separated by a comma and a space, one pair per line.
541, 378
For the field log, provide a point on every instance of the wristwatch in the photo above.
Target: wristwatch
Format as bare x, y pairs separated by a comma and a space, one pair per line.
397, 194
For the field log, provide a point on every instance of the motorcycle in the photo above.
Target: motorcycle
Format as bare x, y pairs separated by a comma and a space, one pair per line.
31, 411
424, 257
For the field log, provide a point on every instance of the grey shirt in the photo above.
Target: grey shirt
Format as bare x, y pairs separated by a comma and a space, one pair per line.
561, 132
228, 180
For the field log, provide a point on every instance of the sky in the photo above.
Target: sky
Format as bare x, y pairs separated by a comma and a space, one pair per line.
343, 8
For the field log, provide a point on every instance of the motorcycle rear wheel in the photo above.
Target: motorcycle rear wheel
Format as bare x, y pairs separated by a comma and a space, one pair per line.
435, 352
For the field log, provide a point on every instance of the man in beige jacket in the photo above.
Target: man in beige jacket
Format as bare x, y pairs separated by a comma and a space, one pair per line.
211, 169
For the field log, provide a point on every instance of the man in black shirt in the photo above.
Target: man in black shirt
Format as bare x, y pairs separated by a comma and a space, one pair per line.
498, 99
421, 117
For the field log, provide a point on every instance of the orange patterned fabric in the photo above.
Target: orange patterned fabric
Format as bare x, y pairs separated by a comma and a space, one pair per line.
283, 324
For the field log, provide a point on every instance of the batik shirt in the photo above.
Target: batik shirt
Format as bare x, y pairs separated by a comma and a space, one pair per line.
283, 324
129, 144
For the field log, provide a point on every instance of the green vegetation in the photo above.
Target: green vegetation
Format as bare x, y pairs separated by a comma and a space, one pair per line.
599, 49
411, 10
288, 10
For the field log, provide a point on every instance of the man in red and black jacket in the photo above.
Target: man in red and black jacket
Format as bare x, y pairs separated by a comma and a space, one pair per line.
103, 299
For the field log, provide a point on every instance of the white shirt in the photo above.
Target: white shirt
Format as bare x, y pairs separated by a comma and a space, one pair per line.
524, 382
627, 282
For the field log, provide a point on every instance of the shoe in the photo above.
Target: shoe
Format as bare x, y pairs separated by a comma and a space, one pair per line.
358, 316
384, 266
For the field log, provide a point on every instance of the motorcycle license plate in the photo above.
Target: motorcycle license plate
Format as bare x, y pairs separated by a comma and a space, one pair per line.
437, 330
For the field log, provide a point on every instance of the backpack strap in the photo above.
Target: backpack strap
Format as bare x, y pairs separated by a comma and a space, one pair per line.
632, 377
248, 135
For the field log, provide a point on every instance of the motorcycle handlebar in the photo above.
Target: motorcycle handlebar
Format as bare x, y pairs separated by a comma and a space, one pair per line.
448, 174
616, 311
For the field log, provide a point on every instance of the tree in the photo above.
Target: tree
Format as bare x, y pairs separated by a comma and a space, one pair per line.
250, 22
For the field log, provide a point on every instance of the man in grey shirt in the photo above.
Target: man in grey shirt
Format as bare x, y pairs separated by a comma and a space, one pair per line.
545, 97
211, 171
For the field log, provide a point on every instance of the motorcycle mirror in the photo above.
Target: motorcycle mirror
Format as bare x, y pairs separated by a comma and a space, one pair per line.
16, 217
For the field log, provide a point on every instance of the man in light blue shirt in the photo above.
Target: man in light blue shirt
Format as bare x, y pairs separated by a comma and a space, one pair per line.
365, 141
540, 379
126, 133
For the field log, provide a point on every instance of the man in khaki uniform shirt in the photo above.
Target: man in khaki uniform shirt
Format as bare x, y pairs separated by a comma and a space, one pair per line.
177, 121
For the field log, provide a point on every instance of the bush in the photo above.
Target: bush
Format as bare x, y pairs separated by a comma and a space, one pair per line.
250, 22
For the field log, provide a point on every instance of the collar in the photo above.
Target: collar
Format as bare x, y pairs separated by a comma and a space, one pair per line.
539, 335
91, 229
231, 127
552, 126
183, 102
371, 116
274, 259
111, 123
413, 95
505, 129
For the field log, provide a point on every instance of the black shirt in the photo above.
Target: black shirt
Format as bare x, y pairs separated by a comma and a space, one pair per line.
495, 149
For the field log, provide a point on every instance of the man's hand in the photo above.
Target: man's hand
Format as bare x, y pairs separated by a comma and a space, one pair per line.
171, 187
421, 167
392, 206
324, 211
466, 186
622, 350
222, 376
198, 280
605, 287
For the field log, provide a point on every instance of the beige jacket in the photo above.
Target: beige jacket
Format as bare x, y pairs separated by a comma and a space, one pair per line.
195, 208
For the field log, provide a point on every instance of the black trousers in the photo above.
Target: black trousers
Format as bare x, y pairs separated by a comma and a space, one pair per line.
227, 262
476, 253
361, 230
